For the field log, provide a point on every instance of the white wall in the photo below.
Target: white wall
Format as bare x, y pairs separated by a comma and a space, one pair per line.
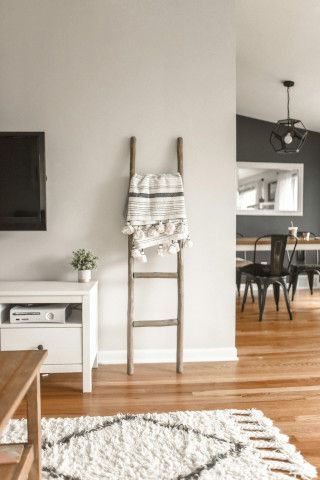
91, 73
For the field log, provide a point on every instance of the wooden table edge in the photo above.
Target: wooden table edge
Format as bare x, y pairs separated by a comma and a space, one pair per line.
266, 241
6, 415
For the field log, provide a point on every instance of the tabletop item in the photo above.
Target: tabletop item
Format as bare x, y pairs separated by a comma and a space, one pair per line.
19, 377
293, 230
84, 261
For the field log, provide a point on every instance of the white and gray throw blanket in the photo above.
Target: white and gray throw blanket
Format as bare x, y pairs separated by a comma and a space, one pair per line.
156, 214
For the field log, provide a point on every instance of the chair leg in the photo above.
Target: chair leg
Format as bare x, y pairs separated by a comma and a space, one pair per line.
291, 280
286, 297
276, 294
251, 292
263, 294
294, 285
245, 295
238, 280
259, 294
310, 280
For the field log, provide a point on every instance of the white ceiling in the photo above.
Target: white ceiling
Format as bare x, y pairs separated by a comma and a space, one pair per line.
249, 172
279, 40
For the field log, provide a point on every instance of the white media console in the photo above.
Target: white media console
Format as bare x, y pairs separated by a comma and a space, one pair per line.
72, 346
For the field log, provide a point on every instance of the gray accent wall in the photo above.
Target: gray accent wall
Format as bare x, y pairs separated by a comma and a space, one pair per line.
253, 146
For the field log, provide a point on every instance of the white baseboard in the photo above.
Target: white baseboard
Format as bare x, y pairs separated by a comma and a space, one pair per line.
113, 357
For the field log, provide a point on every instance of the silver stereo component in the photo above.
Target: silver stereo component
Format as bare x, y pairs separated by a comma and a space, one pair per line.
48, 313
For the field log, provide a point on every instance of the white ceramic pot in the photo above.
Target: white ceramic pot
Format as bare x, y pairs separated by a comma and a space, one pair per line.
293, 231
84, 276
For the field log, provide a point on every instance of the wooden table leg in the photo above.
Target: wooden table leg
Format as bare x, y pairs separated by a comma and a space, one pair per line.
34, 426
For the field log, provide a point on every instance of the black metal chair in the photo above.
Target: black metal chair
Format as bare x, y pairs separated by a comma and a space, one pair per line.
273, 273
311, 269
240, 263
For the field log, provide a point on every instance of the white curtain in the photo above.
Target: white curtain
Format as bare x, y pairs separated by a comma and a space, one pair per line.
286, 198
247, 198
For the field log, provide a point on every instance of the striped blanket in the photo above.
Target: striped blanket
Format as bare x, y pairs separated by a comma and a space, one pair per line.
156, 214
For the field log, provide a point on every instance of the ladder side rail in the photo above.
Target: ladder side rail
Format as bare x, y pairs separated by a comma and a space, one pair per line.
180, 277
130, 313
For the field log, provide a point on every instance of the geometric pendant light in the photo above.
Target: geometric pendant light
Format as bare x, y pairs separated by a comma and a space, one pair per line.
288, 135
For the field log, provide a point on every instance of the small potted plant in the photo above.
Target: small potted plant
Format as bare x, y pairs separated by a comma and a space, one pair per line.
84, 261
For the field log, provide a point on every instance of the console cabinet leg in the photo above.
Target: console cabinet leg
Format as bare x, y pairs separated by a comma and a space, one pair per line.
95, 363
87, 379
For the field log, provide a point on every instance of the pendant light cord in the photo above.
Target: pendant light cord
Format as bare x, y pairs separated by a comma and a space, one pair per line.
288, 102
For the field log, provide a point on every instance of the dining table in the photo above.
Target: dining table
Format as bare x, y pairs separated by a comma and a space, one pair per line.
247, 244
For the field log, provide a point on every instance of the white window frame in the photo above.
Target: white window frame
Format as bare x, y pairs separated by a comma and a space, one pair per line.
276, 166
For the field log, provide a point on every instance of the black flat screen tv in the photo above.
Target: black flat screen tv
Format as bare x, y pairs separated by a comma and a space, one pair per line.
22, 181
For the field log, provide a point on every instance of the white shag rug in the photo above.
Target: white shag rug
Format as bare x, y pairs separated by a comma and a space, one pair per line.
218, 444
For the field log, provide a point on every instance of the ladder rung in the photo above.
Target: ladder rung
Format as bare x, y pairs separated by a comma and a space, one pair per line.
155, 275
155, 323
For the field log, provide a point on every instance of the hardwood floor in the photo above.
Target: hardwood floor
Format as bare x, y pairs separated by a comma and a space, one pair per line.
278, 372
286, 356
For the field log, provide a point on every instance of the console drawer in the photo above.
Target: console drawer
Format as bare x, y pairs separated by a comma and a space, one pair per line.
64, 345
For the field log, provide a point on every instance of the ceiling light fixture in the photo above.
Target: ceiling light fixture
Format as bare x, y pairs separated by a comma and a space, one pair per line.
288, 135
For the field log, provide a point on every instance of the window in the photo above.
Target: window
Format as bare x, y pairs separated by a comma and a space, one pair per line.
247, 198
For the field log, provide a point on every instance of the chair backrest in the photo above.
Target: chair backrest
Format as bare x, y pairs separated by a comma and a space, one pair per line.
278, 250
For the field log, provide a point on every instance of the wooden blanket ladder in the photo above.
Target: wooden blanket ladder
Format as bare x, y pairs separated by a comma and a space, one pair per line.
132, 276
